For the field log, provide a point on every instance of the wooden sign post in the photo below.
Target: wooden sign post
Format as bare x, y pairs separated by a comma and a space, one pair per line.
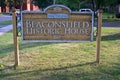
15, 37
98, 38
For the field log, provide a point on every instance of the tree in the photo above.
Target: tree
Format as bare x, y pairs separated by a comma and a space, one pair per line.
42, 3
2, 5
77, 4
10, 3
14, 3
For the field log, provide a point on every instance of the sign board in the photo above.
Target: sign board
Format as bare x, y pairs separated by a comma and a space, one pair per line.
57, 23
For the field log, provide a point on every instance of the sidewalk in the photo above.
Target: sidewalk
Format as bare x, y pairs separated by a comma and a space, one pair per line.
110, 24
5, 29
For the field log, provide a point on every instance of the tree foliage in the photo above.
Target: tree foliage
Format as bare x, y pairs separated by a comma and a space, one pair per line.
42, 3
73, 4
11, 2
2, 3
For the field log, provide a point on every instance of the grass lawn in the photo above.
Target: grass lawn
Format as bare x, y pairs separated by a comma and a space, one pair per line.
8, 22
110, 17
62, 61
5, 23
111, 20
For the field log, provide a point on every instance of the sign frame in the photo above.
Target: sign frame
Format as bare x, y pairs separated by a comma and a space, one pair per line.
89, 11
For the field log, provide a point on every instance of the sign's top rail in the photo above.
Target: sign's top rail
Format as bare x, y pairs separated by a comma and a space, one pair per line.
57, 8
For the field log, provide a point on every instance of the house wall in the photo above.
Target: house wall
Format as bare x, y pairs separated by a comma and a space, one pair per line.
7, 9
29, 6
0, 9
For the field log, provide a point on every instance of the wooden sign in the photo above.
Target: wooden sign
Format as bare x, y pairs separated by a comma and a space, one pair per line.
57, 23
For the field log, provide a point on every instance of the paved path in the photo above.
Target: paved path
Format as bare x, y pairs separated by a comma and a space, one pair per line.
5, 17
110, 24
7, 28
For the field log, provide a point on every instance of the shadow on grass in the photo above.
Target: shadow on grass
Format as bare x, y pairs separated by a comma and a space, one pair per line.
65, 73
72, 66
10, 47
109, 37
3, 75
